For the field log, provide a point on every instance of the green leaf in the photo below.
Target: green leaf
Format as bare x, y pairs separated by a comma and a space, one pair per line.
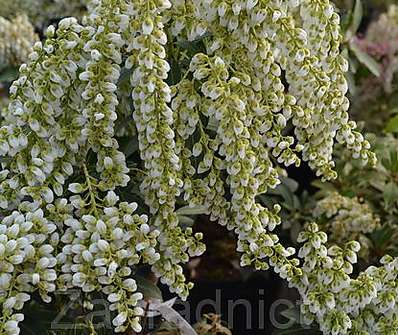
351, 83
381, 237
212, 124
292, 314
291, 184
185, 44
172, 316
125, 75
392, 125
286, 190
356, 19
393, 161
148, 289
186, 220
9, 74
128, 145
371, 64
390, 194
286, 194
186, 210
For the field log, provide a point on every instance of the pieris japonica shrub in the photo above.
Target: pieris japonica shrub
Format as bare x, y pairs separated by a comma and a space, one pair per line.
208, 90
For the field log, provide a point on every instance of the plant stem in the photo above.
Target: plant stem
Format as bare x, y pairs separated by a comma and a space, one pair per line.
93, 203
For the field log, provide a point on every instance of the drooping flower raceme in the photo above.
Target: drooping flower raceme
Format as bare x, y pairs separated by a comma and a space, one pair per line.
339, 303
154, 121
210, 124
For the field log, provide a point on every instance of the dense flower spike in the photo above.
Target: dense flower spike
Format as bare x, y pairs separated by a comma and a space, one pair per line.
339, 303
102, 73
103, 240
154, 120
16, 39
211, 127
347, 219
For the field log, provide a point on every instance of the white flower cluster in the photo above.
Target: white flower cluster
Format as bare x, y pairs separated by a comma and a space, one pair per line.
17, 37
154, 121
100, 247
306, 52
102, 72
339, 303
347, 219
75, 243
41, 135
213, 137
27, 261
238, 141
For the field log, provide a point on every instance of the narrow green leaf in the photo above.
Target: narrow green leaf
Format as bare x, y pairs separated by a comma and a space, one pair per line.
128, 145
291, 184
356, 17
186, 210
390, 194
367, 60
292, 314
382, 236
9, 74
172, 316
148, 289
392, 125
212, 124
351, 83
186, 220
